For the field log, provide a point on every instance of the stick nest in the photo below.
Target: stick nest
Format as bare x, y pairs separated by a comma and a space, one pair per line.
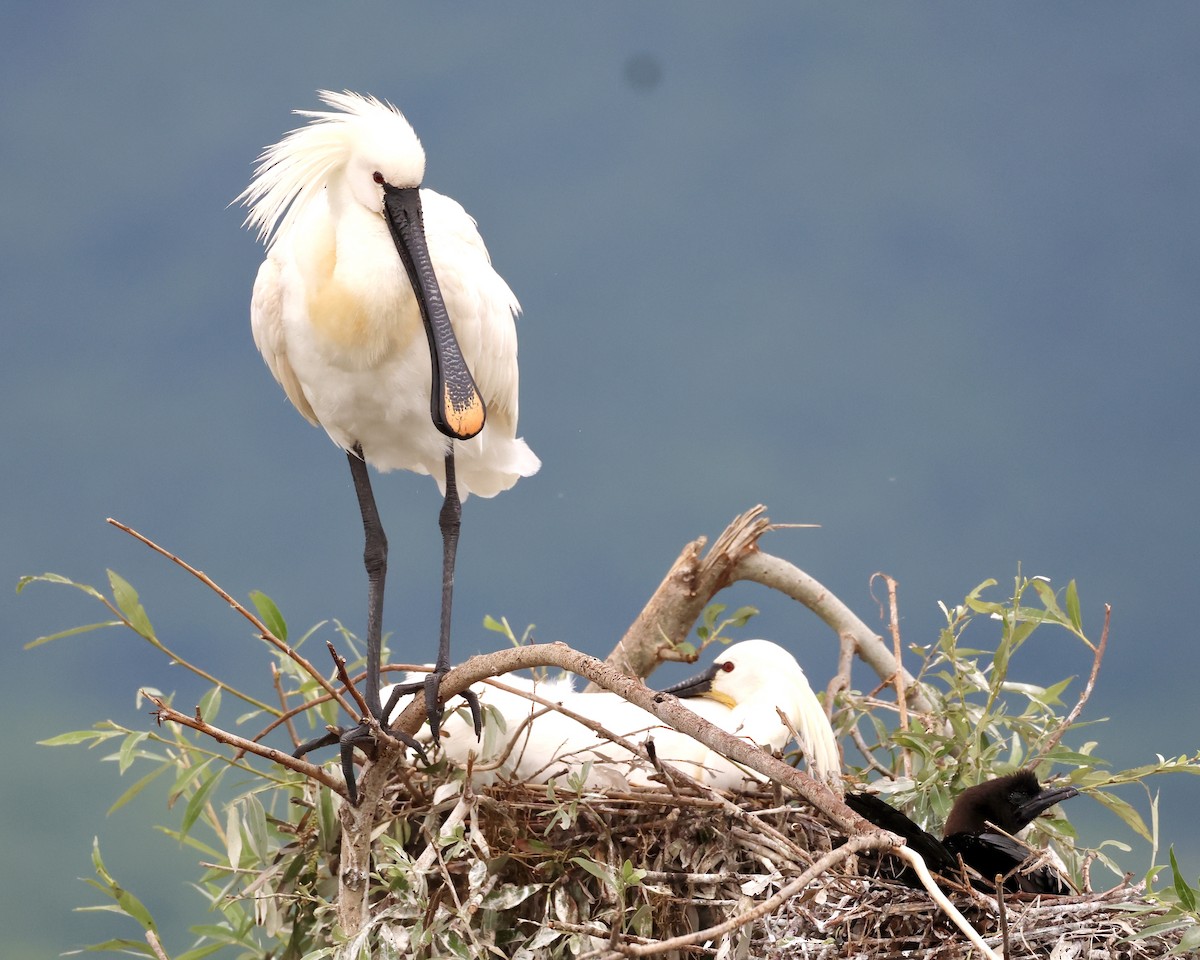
529, 872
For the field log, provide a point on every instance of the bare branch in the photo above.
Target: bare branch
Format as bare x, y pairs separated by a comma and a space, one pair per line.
339, 663
168, 714
840, 681
286, 715
689, 585
913, 859
694, 580
156, 946
778, 574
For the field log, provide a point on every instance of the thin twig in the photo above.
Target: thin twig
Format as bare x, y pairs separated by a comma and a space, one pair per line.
1003, 911
1083, 697
152, 939
325, 698
261, 628
285, 717
339, 663
169, 714
897, 679
841, 680
783, 576
872, 763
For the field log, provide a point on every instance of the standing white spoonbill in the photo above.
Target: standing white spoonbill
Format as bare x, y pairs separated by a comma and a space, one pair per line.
379, 313
743, 693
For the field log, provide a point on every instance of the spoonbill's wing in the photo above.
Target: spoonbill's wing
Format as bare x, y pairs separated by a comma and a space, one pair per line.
266, 323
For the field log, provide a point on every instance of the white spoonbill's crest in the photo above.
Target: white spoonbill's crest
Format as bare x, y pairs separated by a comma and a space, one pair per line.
368, 136
741, 699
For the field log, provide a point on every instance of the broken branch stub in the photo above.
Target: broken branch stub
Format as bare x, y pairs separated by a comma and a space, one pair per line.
695, 578
687, 589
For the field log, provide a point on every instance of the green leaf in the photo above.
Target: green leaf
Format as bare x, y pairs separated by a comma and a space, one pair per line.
128, 751
642, 921
59, 579
200, 952
137, 947
1189, 943
210, 704
134, 908
185, 776
129, 904
631, 876
203, 848
741, 615
269, 614
80, 736
196, 804
1046, 594
1073, 611
597, 870
98, 862
256, 827
507, 897
137, 788
1186, 895
1125, 811
131, 608
71, 632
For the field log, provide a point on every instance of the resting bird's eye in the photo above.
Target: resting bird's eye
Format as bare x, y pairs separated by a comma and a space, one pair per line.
377, 177
727, 666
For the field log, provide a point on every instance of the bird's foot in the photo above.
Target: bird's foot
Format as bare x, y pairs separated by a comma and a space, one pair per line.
363, 737
434, 706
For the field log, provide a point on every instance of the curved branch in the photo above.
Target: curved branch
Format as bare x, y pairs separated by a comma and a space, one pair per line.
779, 574
664, 707
914, 860
694, 579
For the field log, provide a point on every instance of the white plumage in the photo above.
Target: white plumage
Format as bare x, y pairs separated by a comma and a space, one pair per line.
755, 679
336, 318
379, 313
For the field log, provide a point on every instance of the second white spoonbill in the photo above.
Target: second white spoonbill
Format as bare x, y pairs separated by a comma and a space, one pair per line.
378, 311
743, 693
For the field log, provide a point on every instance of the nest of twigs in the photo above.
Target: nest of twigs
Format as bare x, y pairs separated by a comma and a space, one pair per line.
536, 871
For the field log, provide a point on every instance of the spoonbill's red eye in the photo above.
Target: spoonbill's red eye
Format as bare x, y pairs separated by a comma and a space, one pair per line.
727, 666
377, 177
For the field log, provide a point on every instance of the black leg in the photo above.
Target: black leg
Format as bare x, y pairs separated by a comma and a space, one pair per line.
375, 561
449, 521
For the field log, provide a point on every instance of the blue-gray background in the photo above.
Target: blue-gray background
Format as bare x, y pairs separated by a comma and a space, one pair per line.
923, 274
